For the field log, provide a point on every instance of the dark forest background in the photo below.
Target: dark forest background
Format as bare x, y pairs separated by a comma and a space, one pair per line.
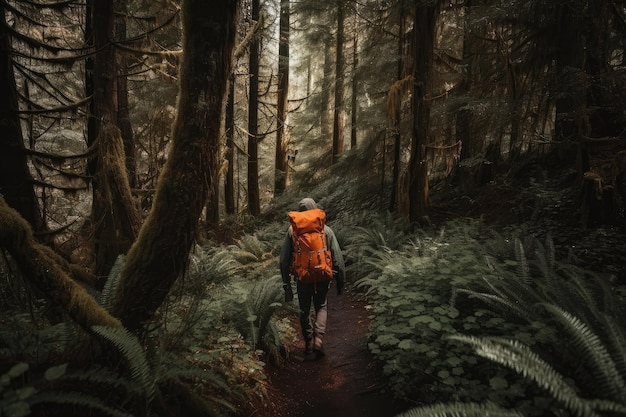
470, 155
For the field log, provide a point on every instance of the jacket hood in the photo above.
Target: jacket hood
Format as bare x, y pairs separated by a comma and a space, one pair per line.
307, 204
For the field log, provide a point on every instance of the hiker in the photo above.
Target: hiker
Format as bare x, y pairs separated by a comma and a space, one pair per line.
313, 326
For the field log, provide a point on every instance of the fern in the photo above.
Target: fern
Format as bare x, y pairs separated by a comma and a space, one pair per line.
550, 251
616, 341
520, 256
251, 249
460, 410
210, 265
264, 301
23, 340
496, 301
128, 345
520, 358
178, 369
593, 351
109, 290
79, 399
100, 376
511, 295
582, 307
18, 402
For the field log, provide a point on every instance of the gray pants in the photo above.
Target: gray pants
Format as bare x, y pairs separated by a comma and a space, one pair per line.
313, 321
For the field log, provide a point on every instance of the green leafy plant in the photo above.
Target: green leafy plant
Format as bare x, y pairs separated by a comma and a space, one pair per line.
565, 333
410, 288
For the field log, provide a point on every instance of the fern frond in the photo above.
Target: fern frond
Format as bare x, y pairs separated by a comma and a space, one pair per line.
263, 302
251, 249
519, 357
460, 410
102, 377
608, 407
550, 251
128, 345
368, 282
616, 341
214, 264
183, 370
110, 286
246, 257
515, 294
497, 301
578, 293
520, 256
542, 263
79, 399
593, 352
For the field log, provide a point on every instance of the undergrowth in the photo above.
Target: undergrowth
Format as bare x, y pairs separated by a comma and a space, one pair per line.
205, 350
489, 322
466, 318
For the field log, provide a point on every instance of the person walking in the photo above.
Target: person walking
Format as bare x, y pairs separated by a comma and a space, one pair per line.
312, 288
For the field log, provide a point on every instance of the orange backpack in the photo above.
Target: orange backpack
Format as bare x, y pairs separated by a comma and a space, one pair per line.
312, 261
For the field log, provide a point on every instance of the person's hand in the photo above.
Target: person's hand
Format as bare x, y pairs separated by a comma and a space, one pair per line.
288, 293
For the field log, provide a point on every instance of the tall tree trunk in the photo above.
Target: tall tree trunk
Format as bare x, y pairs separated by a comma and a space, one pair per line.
606, 117
89, 83
339, 111
282, 139
325, 125
159, 256
397, 138
423, 44
254, 202
464, 115
355, 90
229, 181
123, 111
16, 181
114, 214
570, 102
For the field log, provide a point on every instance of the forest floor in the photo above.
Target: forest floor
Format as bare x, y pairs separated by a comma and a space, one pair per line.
345, 382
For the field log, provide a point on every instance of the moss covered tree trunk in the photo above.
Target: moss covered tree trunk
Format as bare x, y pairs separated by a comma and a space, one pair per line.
114, 215
49, 273
159, 255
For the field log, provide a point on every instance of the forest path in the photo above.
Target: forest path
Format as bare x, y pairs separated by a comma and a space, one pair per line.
343, 383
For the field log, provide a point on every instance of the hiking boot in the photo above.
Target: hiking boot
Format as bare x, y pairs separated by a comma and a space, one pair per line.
318, 347
318, 353
309, 353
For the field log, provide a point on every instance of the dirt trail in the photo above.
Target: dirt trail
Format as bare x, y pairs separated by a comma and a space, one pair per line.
345, 382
